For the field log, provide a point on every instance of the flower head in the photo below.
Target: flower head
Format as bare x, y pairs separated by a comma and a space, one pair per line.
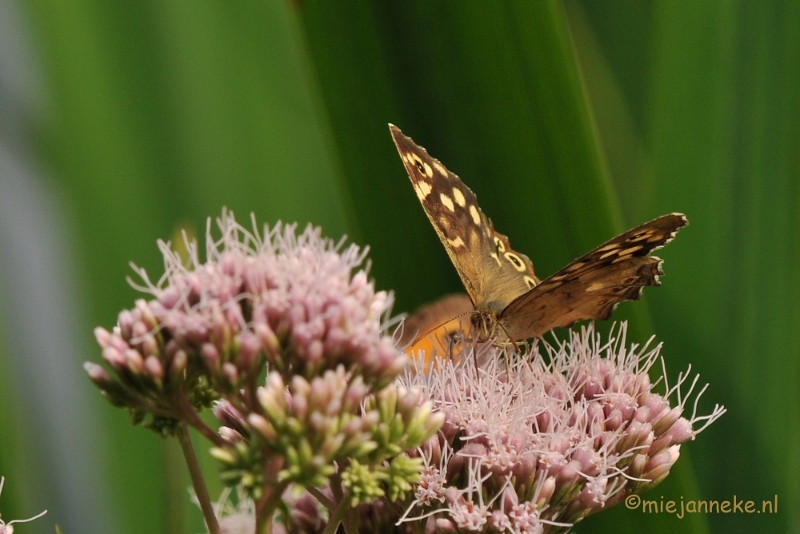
288, 301
539, 441
285, 336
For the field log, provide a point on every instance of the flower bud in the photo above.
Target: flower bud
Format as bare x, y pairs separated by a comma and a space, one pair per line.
154, 369
97, 374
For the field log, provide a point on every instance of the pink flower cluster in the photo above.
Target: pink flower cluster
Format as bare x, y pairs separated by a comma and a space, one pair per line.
290, 301
287, 338
539, 441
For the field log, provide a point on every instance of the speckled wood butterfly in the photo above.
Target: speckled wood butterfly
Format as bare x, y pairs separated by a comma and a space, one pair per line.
510, 302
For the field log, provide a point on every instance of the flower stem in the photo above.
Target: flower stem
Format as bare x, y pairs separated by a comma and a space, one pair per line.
321, 497
197, 479
187, 413
266, 509
269, 501
263, 524
337, 515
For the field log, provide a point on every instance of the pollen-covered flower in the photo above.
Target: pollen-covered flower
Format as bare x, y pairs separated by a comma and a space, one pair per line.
535, 442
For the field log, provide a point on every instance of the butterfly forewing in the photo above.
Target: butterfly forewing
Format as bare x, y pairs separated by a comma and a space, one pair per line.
492, 273
592, 286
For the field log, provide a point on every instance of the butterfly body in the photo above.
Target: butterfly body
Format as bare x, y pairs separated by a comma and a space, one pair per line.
510, 301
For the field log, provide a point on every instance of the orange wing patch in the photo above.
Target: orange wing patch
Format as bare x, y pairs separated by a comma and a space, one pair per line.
434, 328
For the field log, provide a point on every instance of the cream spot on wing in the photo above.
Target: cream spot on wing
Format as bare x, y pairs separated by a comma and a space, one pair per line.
456, 243
444, 223
556, 278
610, 253
625, 256
595, 287
515, 260
530, 282
496, 258
498, 244
447, 202
423, 189
459, 196
440, 168
610, 246
476, 217
473, 236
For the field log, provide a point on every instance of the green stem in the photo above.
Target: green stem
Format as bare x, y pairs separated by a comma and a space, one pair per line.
265, 508
187, 413
197, 479
263, 525
321, 497
337, 515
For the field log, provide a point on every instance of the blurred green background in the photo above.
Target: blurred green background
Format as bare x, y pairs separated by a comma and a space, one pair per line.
123, 121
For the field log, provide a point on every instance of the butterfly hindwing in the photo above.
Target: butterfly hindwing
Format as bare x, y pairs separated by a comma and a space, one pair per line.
431, 317
592, 286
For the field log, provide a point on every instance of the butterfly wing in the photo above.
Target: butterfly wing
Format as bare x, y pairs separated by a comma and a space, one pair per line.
439, 317
434, 328
592, 286
492, 273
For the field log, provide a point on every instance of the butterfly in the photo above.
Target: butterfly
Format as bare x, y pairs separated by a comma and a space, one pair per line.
510, 302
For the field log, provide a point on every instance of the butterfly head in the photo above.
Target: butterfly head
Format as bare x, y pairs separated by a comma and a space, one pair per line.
484, 325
